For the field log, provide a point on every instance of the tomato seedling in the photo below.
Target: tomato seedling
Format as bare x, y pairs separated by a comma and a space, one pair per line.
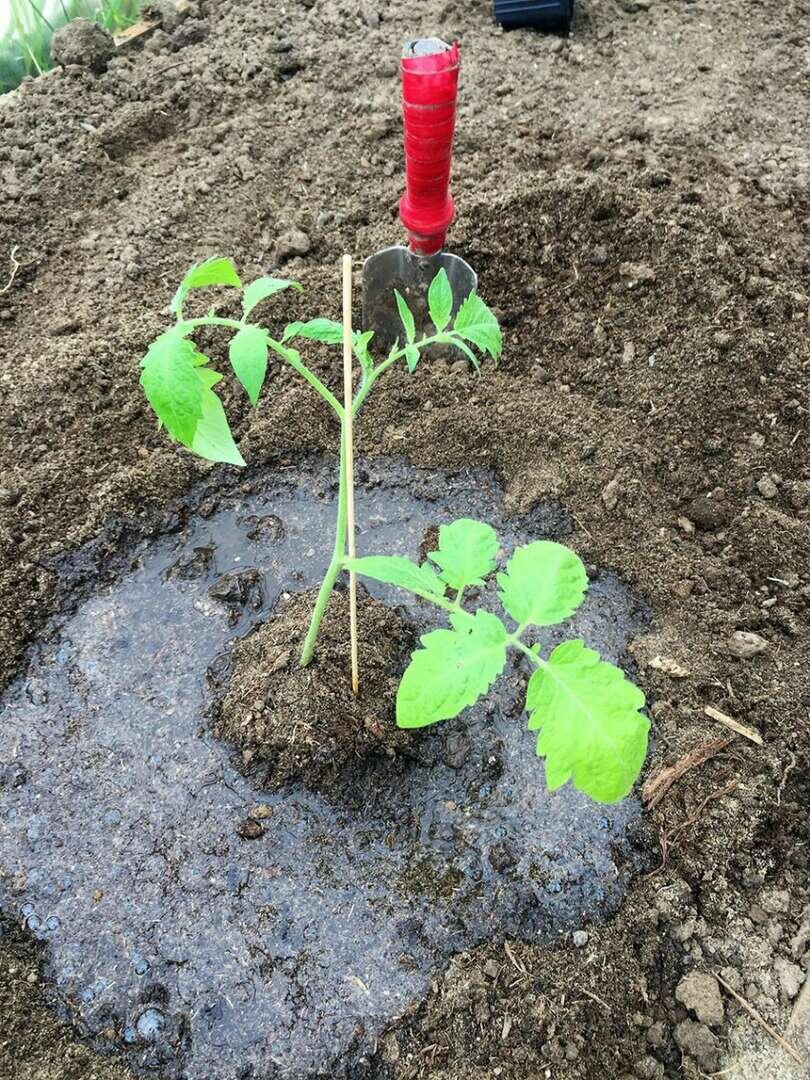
178, 382
586, 712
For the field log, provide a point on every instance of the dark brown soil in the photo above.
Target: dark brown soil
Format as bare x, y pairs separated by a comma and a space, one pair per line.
306, 722
634, 201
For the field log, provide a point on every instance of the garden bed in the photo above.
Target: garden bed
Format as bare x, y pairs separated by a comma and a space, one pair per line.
634, 210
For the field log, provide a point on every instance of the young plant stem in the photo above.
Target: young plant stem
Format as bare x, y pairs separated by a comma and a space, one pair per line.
339, 551
336, 565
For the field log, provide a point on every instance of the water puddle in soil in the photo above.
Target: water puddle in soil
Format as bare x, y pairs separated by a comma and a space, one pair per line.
208, 957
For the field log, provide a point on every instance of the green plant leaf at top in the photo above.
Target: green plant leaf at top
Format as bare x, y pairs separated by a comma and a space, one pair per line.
263, 287
590, 726
440, 300
543, 584
212, 437
477, 324
397, 570
172, 386
360, 347
467, 552
325, 330
452, 669
211, 272
248, 356
406, 315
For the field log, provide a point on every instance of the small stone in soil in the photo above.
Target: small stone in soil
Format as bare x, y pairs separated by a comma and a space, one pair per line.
610, 494
744, 645
580, 938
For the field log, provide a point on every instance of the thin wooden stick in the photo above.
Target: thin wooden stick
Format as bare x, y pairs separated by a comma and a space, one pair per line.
752, 1012
735, 725
349, 436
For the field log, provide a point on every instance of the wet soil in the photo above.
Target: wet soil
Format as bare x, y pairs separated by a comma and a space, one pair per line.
634, 201
332, 726
208, 913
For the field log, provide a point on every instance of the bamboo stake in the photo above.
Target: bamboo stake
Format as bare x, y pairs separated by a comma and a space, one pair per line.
348, 434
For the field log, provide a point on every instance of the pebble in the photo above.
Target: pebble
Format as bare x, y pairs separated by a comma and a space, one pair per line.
767, 488
744, 645
580, 938
700, 993
610, 494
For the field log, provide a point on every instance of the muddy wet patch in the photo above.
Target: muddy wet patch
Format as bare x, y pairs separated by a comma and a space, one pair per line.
206, 950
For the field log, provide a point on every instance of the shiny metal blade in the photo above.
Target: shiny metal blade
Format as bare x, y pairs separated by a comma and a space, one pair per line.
399, 268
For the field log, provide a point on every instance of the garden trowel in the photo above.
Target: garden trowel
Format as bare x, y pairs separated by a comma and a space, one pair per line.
429, 70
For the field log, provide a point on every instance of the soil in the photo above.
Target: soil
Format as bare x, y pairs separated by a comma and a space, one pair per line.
332, 727
634, 201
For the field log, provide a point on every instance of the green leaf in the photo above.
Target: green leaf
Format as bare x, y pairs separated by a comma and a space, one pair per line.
406, 315
171, 384
467, 552
590, 728
451, 339
360, 346
411, 357
248, 356
452, 669
211, 272
477, 324
397, 570
544, 583
316, 330
263, 287
440, 300
208, 377
212, 438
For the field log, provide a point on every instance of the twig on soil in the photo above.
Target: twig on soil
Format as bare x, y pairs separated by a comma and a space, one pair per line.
657, 786
515, 962
594, 997
670, 835
15, 266
735, 725
752, 1012
781, 788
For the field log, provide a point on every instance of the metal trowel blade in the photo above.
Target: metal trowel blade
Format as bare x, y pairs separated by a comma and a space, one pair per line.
411, 274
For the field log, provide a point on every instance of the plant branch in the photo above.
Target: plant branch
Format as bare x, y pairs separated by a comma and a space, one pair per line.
290, 355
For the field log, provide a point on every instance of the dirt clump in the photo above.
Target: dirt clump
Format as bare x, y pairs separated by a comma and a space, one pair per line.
305, 722
83, 43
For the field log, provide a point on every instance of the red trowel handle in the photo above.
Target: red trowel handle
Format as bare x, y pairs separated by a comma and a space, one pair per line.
429, 84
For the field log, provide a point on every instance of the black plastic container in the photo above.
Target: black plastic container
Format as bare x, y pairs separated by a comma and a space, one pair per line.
541, 14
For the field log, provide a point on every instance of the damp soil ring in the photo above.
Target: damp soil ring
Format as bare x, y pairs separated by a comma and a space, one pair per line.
211, 947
